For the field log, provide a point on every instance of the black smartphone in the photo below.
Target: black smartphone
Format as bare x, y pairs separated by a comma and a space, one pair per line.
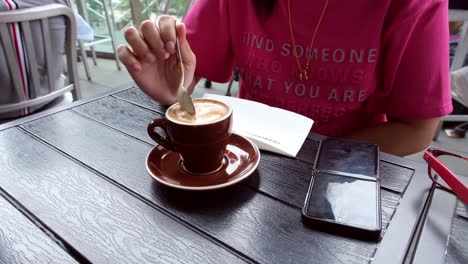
344, 191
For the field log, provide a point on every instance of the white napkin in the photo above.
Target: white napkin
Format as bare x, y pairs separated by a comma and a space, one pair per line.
459, 83
83, 29
270, 128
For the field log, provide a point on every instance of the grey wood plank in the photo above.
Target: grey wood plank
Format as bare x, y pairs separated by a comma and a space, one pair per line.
284, 178
57, 109
288, 180
137, 96
462, 209
23, 242
308, 152
457, 251
389, 202
394, 176
132, 120
101, 221
120, 115
262, 228
289, 187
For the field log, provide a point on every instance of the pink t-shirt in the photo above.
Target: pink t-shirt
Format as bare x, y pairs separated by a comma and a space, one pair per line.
371, 60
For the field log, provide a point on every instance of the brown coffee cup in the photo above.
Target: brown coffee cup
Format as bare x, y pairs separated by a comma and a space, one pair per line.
201, 139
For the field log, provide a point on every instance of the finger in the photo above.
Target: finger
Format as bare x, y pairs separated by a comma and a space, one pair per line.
185, 49
152, 38
138, 45
128, 59
166, 26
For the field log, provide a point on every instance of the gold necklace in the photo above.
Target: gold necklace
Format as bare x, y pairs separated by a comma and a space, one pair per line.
303, 75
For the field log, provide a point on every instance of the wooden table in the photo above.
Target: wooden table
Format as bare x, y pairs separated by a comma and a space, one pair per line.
74, 188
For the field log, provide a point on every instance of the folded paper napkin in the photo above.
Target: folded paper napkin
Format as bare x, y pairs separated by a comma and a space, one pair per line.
270, 128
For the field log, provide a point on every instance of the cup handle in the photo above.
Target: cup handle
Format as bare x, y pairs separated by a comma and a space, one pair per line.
163, 141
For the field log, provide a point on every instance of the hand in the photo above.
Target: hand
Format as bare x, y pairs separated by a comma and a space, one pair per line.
151, 58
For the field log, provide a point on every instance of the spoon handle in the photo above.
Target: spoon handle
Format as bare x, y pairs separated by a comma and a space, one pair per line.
184, 98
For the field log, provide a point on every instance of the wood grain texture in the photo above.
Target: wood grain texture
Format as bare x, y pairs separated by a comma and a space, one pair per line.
389, 202
137, 96
101, 221
457, 251
260, 227
23, 242
395, 177
284, 178
132, 120
120, 115
308, 152
288, 179
462, 209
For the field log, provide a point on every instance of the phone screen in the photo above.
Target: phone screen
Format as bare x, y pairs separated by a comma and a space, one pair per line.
348, 156
345, 200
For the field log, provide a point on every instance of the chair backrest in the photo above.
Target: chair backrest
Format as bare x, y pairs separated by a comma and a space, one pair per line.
23, 18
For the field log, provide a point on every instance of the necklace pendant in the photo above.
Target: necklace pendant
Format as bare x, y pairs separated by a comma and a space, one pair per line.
303, 76
306, 76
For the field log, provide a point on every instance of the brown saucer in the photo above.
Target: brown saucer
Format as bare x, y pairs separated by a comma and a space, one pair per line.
241, 158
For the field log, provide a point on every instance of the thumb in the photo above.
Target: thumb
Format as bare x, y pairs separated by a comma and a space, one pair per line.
185, 50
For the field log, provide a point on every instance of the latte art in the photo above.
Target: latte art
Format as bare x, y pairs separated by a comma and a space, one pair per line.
206, 111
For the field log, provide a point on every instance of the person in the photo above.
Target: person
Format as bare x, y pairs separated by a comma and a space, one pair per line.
8, 93
374, 71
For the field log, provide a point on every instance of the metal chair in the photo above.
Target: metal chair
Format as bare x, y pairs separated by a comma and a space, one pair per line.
28, 18
235, 77
83, 45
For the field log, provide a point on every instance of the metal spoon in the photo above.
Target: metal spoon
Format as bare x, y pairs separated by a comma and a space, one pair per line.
185, 101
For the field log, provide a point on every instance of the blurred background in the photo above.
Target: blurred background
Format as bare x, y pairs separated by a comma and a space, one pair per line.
125, 13
109, 19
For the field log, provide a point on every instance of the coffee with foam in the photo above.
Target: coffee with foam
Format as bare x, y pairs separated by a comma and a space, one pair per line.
207, 111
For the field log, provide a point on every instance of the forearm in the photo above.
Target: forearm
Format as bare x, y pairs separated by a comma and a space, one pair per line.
399, 137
